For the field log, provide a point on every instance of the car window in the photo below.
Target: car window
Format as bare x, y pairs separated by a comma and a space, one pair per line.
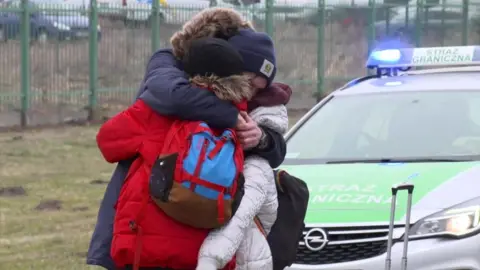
393, 125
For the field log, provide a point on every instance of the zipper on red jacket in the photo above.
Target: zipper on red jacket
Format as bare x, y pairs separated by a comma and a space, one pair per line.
138, 230
138, 244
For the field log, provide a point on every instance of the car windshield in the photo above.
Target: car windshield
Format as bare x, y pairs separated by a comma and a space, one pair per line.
391, 126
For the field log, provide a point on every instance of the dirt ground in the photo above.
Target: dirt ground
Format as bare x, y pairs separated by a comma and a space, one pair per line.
52, 182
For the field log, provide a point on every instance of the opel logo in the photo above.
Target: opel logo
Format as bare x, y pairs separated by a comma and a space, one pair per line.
316, 239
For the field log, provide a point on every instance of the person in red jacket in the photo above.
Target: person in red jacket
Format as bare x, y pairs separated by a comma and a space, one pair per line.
156, 240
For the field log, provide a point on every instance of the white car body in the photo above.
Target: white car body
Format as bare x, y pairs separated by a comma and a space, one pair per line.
345, 240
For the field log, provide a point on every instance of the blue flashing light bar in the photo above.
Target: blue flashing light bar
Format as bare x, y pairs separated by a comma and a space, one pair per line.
420, 57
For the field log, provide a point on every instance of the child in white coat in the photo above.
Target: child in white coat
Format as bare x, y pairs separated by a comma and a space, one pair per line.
241, 236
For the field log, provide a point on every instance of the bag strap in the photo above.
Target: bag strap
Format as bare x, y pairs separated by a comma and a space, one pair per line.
277, 179
260, 226
256, 219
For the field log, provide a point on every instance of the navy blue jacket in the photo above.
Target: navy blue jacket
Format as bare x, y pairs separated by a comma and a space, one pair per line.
166, 89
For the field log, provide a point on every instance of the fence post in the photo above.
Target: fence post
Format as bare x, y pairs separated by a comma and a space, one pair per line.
25, 62
465, 20
371, 30
155, 24
407, 16
371, 25
444, 2
93, 60
320, 50
387, 11
269, 17
418, 23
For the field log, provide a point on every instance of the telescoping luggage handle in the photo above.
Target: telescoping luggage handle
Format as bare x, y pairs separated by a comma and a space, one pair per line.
409, 188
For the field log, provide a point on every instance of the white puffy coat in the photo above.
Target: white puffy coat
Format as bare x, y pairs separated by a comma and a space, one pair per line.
240, 236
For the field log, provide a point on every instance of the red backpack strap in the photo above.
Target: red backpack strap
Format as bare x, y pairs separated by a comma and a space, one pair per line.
239, 159
175, 142
173, 132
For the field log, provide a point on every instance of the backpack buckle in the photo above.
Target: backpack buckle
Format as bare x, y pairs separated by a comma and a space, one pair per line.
218, 146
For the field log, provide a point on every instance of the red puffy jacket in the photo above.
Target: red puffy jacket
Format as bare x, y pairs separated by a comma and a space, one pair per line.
143, 236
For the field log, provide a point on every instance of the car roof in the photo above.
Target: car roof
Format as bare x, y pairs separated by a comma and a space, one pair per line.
440, 79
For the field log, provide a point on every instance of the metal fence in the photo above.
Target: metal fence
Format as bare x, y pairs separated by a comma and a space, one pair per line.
62, 63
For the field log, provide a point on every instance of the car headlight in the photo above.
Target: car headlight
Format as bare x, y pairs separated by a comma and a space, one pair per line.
461, 220
61, 26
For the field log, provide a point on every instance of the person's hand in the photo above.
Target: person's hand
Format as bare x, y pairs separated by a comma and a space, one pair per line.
248, 131
240, 121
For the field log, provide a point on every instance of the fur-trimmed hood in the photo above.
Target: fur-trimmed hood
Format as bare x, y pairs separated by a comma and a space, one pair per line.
235, 88
210, 22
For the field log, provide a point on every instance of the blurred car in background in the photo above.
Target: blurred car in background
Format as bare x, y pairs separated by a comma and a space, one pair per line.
171, 11
179, 11
283, 10
106, 8
54, 24
434, 17
340, 11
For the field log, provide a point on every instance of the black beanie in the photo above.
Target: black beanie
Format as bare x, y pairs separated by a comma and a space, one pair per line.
257, 51
212, 56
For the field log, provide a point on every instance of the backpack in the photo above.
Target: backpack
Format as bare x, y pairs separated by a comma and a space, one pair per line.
293, 196
196, 178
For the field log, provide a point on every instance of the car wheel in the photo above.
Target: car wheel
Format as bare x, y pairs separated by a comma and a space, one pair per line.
42, 36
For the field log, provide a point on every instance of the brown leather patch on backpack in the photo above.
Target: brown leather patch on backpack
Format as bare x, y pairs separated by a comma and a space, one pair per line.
184, 205
189, 208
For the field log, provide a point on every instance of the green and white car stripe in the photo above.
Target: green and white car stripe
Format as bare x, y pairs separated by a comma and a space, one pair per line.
361, 192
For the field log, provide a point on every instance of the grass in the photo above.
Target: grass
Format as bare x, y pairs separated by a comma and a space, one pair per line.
55, 168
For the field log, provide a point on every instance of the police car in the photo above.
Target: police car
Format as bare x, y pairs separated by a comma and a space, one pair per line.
399, 124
